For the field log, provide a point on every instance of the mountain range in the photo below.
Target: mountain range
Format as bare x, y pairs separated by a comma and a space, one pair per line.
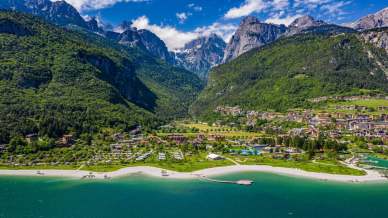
199, 55
62, 73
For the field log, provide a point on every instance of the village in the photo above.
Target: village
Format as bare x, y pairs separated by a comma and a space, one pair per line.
341, 121
236, 136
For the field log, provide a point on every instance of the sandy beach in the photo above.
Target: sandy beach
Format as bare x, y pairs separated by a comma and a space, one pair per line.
371, 176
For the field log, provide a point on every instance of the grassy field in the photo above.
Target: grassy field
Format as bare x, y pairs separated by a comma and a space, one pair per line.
189, 164
305, 165
239, 134
41, 167
203, 127
219, 130
371, 103
198, 163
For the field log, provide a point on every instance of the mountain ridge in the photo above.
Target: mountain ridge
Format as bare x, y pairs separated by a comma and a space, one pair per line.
286, 73
55, 81
376, 20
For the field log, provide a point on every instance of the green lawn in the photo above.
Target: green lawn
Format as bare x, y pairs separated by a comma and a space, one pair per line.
374, 103
41, 167
306, 165
205, 129
371, 103
194, 163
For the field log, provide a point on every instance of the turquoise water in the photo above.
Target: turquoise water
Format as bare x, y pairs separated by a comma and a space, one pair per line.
378, 162
139, 196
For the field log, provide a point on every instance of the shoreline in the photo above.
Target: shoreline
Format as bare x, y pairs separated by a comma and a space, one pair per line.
371, 176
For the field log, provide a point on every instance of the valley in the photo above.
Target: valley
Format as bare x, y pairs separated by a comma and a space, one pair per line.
310, 95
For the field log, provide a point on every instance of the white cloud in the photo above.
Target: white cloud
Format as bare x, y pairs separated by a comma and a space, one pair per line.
225, 31
82, 5
279, 19
176, 39
336, 7
280, 4
256, 6
195, 7
330, 8
182, 17
247, 8
173, 38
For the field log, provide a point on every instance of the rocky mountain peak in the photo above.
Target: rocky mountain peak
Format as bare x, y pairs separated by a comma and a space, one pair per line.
58, 12
252, 34
205, 41
125, 25
154, 45
201, 54
306, 22
93, 24
303, 23
130, 38
377, 20
249, 20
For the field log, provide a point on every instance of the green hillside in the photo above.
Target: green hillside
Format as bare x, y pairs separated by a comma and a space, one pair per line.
55, 81
175, 88
292, 70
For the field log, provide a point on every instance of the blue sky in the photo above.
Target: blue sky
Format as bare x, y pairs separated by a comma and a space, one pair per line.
179, 21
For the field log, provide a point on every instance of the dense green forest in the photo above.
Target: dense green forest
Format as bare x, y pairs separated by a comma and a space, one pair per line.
55, 81
287, 73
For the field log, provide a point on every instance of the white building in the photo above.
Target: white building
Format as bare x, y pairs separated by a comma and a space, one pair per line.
212, 156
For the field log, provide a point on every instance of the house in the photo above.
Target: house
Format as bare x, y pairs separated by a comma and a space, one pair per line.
66, 141
297, 132
323, 119
3, 148
144, 156
217, 138
341, 124
233, 111
384, 117
136, 131
334, 134
118, 136
134, 141
291, 150
31, 137
116, 147
199, 139
177, 138
380, 125
162, 156
382, 108
259, 147
212, 156
209, 147
178, 155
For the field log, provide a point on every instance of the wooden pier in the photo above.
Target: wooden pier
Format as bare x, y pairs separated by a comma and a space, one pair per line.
238, 182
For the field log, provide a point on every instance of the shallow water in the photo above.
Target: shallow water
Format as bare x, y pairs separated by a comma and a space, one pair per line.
378, 162
140, 196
